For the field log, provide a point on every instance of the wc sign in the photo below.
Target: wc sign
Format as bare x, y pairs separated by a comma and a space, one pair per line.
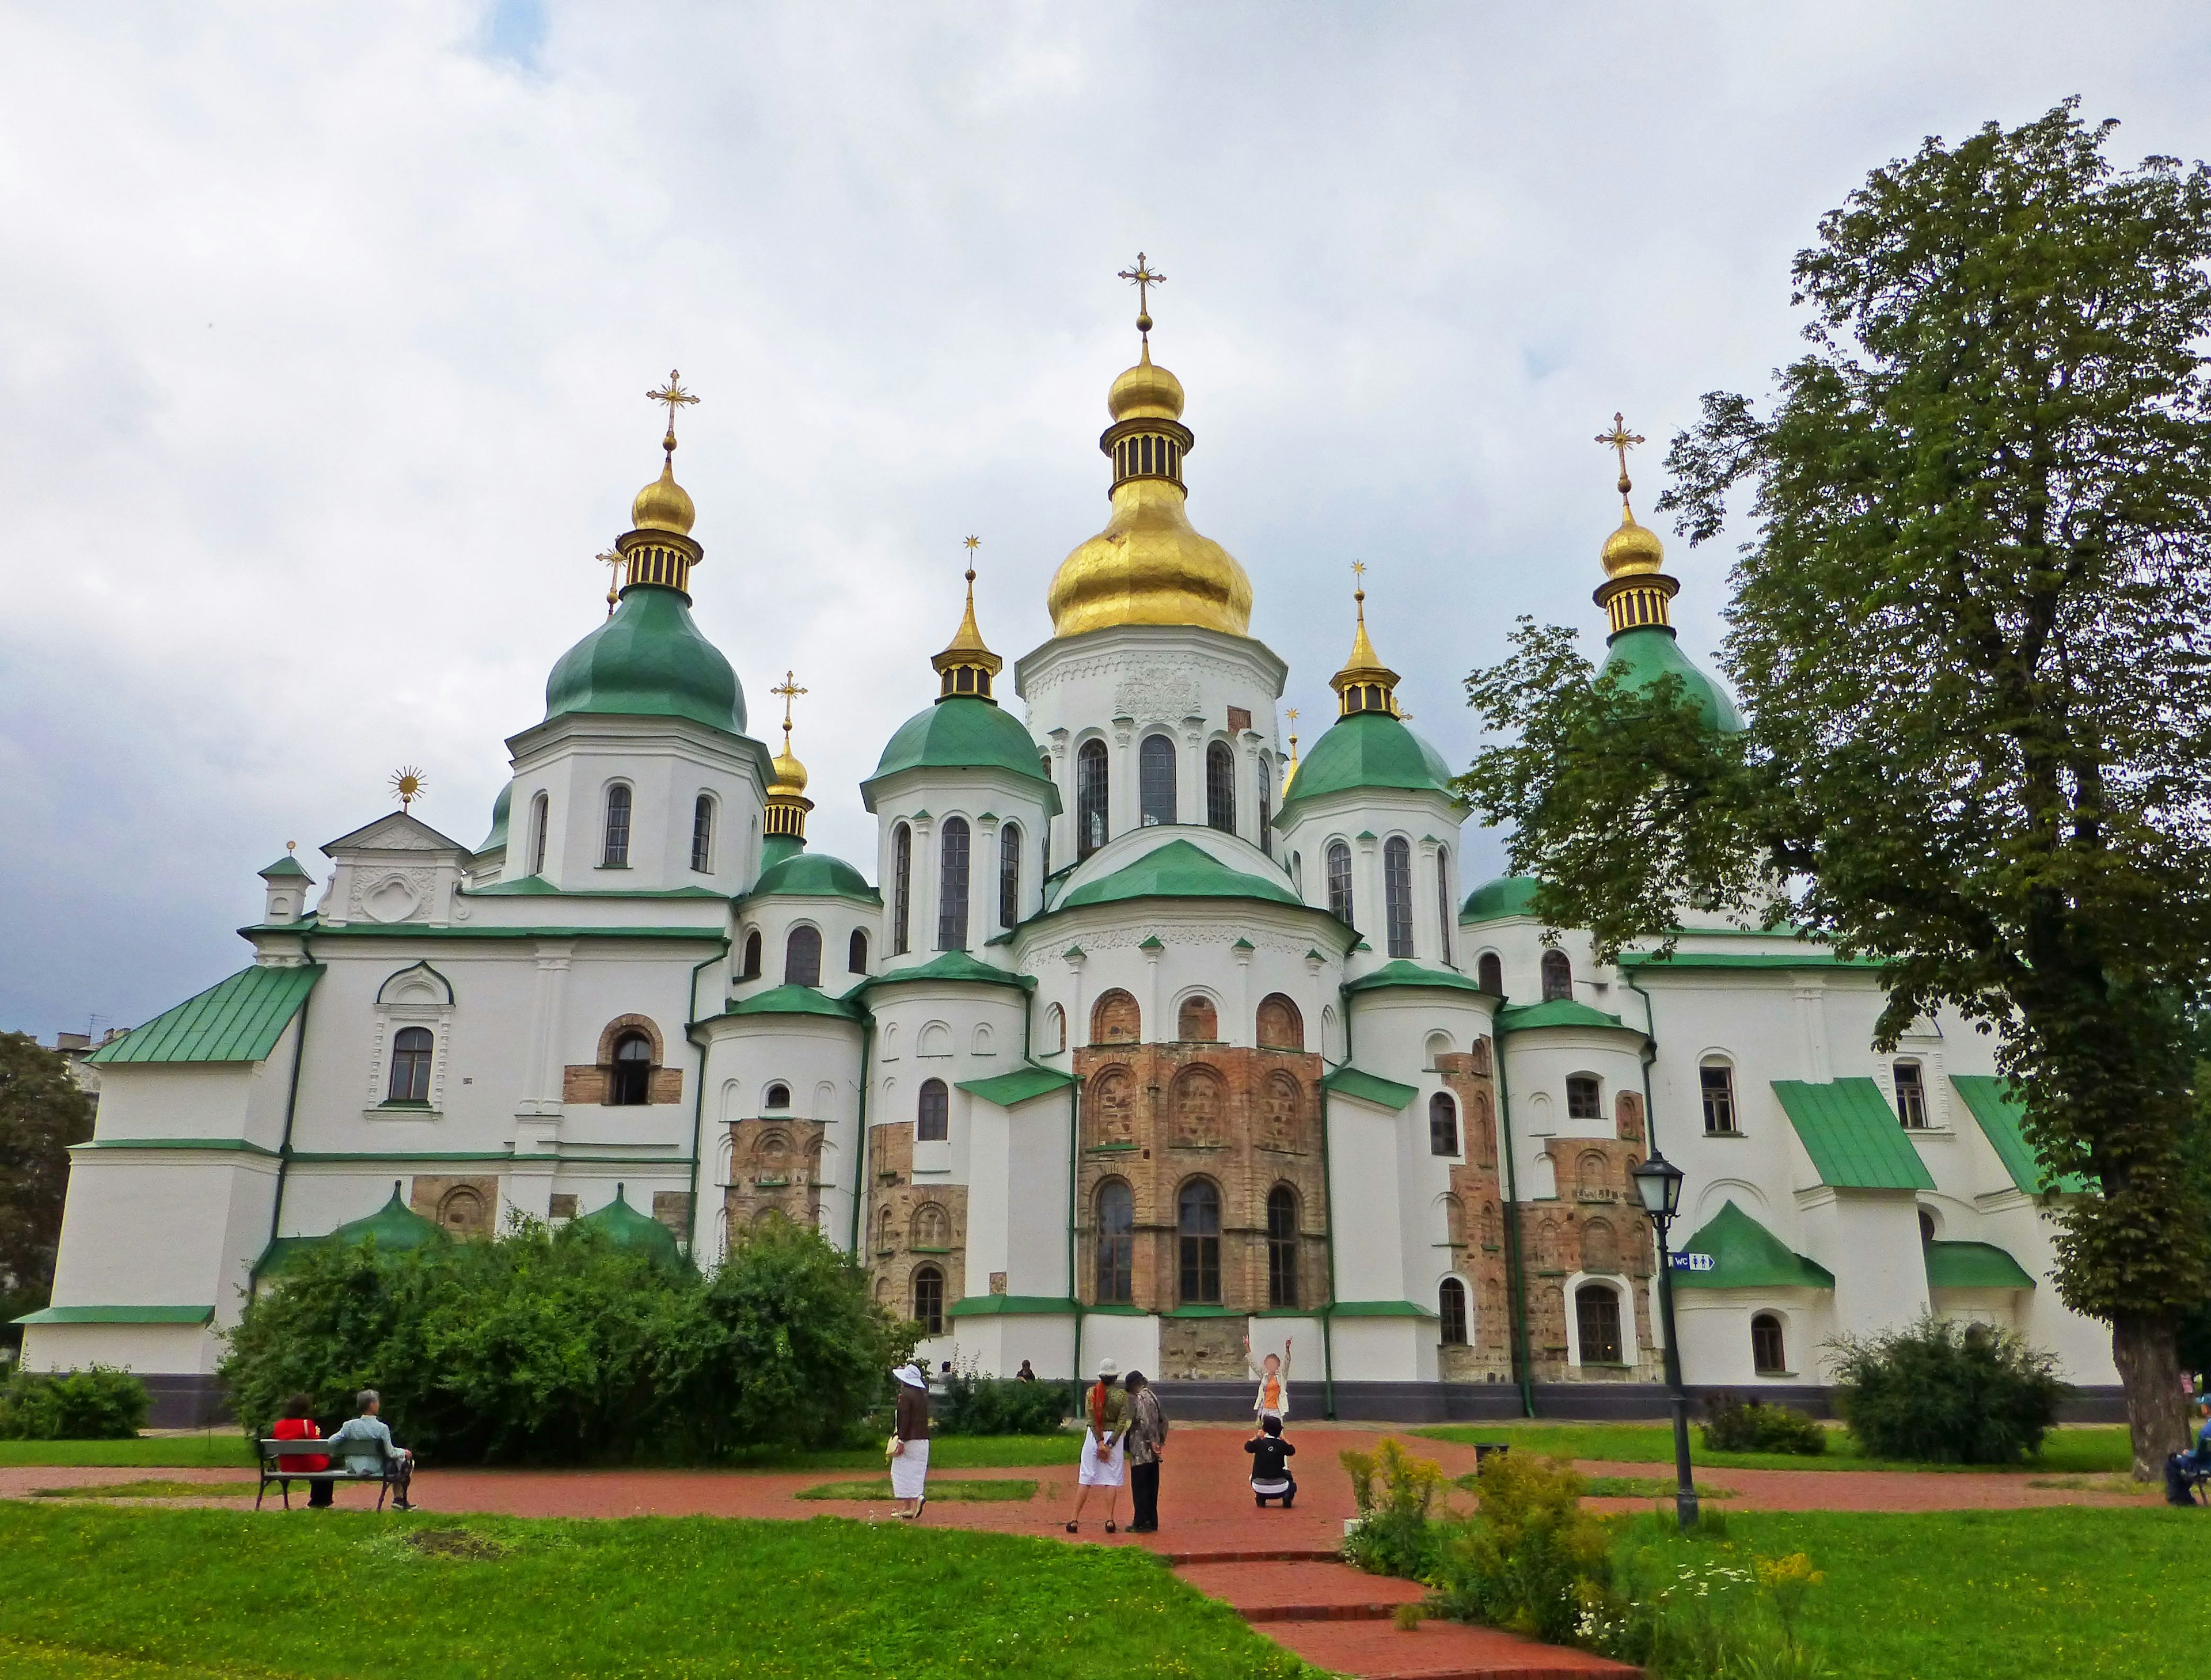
1696, 1263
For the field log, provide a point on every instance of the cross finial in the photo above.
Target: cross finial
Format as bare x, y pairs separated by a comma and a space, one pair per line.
790, 690
1359, 587
406, 784
973, 543
613, 559
1143, 280
674, 395
1619, 439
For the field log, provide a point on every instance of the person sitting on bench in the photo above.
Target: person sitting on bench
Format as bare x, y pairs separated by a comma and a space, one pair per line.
1270, 1475
296, 1425
2185, 1469
365, 1443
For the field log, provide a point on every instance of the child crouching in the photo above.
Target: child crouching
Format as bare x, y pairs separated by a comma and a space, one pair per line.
1271, 1470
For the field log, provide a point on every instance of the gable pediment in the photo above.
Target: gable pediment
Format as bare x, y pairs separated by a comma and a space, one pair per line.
396, 832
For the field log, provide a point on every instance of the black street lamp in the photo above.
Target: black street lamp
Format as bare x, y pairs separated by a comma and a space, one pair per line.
1658, 1184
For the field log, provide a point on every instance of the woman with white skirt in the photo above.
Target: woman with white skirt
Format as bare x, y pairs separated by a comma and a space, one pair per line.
1105, 1430
909, 1445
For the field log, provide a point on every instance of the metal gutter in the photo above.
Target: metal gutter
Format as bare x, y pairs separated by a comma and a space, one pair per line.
1516, 1276
698, 1095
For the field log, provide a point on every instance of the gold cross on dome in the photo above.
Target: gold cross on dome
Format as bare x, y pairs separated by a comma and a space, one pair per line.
790, 690
674, 395
1620, 440
973, 543
613, 561
1143, 280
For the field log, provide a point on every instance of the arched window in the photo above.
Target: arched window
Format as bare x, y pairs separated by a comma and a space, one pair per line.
750, 968
883, 1232
615, 852
410, 1065
933, 1121
1769, 1356
1280, 1026
855, 953
1911, 1096
1584, 1097
1489, 973
631, 1087
1339, 882
1926, 1225
1442, 1124
1266, 805
802, 957
1596, 1315
1155, 780
952, 886
1197, 1020
1558, 978
1009, 874
777, 1096
1117, 1242
1220, 787
541, 821
1715, 1082
1444, 902
901, 889
1450, 1301
932, 1228
1090, 816
1055, 1030
1114, 1019
702, 834
1398, 894
929, 1300
1281, 1246
1197, 1231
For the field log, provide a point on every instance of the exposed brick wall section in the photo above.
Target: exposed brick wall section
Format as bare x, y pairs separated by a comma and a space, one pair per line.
775, 1166
904, 1218
667, 1085
584, 1085
1596, 1225
672, 1208
1476, 1221
467, 1207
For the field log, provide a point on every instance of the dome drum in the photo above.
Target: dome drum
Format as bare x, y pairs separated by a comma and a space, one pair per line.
1637, 599
1146, 448
661, 557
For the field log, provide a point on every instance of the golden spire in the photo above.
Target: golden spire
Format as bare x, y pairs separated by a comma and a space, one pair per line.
674, 395
1635, 592
967, 665
613, 559
1143, 280
663, 504
1290, 770
787, 803
1364, 683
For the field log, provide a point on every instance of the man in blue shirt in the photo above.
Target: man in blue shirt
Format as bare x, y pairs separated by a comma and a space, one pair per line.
365, 1444
2181, 1465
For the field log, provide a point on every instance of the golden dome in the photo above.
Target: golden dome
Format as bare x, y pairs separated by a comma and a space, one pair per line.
1145, 391
789, 773
663, 504
1633, 549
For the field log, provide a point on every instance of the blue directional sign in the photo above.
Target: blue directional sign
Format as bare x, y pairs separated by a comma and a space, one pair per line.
1696, 1263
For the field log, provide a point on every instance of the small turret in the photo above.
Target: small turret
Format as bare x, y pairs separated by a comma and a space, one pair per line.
288, 885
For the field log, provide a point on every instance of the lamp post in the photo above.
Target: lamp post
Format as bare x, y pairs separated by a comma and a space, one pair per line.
1658, 1184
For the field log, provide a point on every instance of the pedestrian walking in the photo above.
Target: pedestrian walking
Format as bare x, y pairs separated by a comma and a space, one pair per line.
909, 1444
1147, 1435
1105, 1425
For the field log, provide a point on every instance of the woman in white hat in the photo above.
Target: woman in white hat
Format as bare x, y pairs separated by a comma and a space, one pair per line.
1105, 1427
909, 1447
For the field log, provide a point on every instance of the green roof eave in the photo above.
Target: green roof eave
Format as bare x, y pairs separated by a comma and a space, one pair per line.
1652, 961
56, 1315
1560, 1012
1351, 1082
1401, 972
236, 1019
1748, 1257
962, 733
285, 868
1179, 869
1021, 1085
417, 931
946, 967
221, 1145
1852, 1135
795, 1000
537, 886
1973, 1266
990, 1306
1378, 1309
1999, 1116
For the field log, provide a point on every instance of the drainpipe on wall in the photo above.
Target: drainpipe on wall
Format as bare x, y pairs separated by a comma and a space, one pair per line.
291, 1107
1650, 1108
1074, 1161
1327, 1193
699, 1096
860, 1143
1516, 1278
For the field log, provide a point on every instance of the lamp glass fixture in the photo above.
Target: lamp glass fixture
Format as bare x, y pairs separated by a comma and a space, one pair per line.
1658, 1183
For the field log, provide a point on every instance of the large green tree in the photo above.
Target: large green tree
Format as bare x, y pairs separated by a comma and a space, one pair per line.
1972, 635
42, 1113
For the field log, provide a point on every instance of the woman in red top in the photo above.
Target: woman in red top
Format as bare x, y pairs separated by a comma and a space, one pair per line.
296, 1425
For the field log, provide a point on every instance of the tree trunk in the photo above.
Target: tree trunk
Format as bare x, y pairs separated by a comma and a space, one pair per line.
2148, 1358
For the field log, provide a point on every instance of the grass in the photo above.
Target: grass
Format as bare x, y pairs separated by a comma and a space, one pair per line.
2086, 1450
144, 1591
155, 1489
1645, 1487
971, 1493
222, 1449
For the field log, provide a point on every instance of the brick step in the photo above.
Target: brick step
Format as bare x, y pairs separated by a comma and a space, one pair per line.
1437, 1651
1277, 1554
1301, 1591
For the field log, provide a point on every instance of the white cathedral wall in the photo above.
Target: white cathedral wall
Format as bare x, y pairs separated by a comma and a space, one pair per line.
922, 800
1366, 820
1715, 1329
835, 919
819, 1059
151, 1099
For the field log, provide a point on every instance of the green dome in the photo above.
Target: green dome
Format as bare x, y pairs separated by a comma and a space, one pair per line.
1177, 869
394, 1226
1641, 656
1367, 749
1507, 895
811, 875
626, 1228
648, 660
963, 733
499, 808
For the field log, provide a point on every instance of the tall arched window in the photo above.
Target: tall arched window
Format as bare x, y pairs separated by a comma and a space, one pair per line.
1197, 1232
1444, 902
1769, 1356
1281, 1246
855, 953
1266, 805
1558, 978
1055, 1030
802, 957
749, 969
1090, 816
1596, 1314
952, 886
541, 821
1339, 882
615, 854
1220, 787
1450, 1302
1489, 973
1442, 1124
1117, 1242
410, 1065
1009, 874
630, 1086
1398, 894
933, 1118
702, 834
901, 889
1155, 781
929, 1300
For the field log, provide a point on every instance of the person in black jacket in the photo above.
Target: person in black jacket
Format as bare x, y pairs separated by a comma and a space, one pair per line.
1271, 1470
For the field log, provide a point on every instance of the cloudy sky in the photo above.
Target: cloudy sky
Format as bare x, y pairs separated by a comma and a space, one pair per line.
324, 333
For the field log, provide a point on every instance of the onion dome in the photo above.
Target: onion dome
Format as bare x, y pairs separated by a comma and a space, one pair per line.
787, 803
967, 666
624, 1227
500, 809
394, 1226
663, 504
1364, 683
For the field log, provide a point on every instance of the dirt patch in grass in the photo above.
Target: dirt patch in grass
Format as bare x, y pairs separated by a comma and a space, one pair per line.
971, 1492
2093, 1484
153, 1489
460, 1542
1645, 1487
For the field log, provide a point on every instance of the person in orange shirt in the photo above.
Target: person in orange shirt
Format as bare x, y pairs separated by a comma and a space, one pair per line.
1273, 1399
296, 1425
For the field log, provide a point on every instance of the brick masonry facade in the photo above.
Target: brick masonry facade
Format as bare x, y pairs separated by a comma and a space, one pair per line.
911, 1226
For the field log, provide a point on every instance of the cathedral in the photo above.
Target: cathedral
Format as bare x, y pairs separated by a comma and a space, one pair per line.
1150, 1040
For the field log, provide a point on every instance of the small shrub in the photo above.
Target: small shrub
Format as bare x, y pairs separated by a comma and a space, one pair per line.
98, 1403
1733, 1425
1531, 1559
1945, 1394
974, 1404
1394, 1492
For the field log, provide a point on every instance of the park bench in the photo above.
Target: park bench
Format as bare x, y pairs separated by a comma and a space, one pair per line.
2193, 1482
387, 1479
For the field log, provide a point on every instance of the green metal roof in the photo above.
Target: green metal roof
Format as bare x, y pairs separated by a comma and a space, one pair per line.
948, 966
626, 1228
963, 733
423, 931
499, 808
237, 1020
1366, 749
118, 1315
1999, 1115
1973, 1266
1023, 1082
537, 886
794, 1000
813, 875
1401, 972
1749, 1257
285, 868
1352, 1082
650, 659
1852, 1135
395, 1225
1180, 868
1653, 961
1641, 655
1560, 1012
1507, 895
1379, 1309
988, 1307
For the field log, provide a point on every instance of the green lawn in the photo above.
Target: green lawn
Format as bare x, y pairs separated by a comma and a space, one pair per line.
2089, 1450
222, 1449
161, 1593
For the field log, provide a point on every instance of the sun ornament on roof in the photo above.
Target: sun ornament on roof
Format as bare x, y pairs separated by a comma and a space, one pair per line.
407, 786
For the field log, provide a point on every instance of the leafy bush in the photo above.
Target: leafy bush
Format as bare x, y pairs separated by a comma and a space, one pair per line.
1394, 1492
1530, 1559
1944, 1394
974, 1404
561, 1347
1733, 1425
98, 1403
